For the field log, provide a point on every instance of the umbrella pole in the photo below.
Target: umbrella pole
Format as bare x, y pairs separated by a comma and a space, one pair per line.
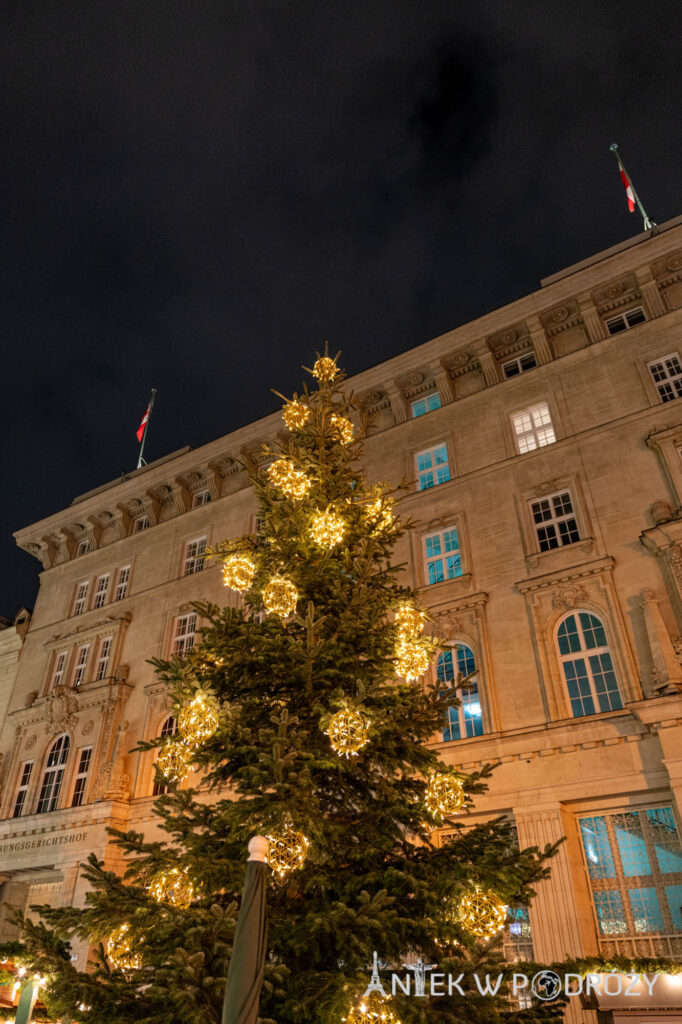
247, 965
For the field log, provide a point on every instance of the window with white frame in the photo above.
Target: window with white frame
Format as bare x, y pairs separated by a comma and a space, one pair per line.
427, 404
169, 728
141, 523
81, 665
183, 633
58, 668
519, 364
22, 789
53, 775
533, 428
432, 466
667, 375
83, 548
122, 580
80, 597
624, 321
443, 556
84, 759
634, 865
194, 556
587, 665
201, 498
101, 590
103, 656
466, 719
554, 521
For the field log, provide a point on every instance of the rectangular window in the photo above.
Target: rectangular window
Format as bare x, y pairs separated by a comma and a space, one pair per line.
183, 633
424, 405
81, 776
624, 321
533, 428
201, 498
81, 665
81, 597
122, 581
667, 375
554, 521
58, 670
513, 367
443, 557
101, 590
83, 548
140, 524
432, 466
194, 556
103, 656
634, 864
22, 790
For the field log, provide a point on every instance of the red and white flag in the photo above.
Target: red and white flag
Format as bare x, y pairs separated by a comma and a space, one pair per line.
143, 424
628, 188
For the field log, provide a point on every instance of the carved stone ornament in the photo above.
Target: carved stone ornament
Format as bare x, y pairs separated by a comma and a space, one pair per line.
674, 556
373, 397
61, 708
675, 262
509, 337
569, 597
448, 624
559, 314
112, 782
614, 290
416, 378
87, 727
661, 512
460, 358
30, 742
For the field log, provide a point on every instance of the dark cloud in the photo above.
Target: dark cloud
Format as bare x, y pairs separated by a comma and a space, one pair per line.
195, 196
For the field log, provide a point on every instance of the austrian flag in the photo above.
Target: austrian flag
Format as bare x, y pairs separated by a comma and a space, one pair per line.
628, 188
143, 424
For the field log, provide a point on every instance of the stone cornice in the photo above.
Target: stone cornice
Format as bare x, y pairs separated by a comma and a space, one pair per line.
568, 575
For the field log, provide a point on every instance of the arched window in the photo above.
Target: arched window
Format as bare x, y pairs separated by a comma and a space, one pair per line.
465, 720
169, 728
54, 773
587, 665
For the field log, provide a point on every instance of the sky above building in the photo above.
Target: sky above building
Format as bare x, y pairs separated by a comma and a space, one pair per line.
196, 195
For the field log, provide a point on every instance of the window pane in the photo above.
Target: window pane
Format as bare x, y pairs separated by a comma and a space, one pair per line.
578, 685
631, 844
665, 838
433, 546
465, 660
610, 912
593, 631
471, 708
605, 682
597, 848
452, 731
646, 910
673, 895
445, 669
569, 641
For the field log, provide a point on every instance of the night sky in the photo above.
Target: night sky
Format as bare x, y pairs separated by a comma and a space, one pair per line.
196, 195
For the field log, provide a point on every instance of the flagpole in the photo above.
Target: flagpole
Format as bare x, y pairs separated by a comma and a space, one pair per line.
140, 461
649, 225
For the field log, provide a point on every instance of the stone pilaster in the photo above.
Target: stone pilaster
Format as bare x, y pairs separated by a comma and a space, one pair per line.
543, 352
594, 325
443, 382
650, 292
489, 366
666, 670
398, 401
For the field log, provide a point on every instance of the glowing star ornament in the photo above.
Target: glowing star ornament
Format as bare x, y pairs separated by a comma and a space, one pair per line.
120, 951
174, 761
348, 732
409, 620
379, 515
173, 886
327, 529
325, 369
238, 572
481, 913
411, 660
295, 414
444, 795
198, 719
280, 596
283, 474
343, 427
287, 851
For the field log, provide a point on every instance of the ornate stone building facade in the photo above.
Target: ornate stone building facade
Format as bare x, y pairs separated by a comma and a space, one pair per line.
545, 445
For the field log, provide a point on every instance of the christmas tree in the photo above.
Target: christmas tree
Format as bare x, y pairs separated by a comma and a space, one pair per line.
305, 708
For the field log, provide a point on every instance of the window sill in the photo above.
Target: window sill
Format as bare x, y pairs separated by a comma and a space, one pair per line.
446, 590
562, 557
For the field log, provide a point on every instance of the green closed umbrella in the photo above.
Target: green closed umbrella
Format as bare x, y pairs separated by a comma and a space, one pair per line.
245, 976
29, 994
